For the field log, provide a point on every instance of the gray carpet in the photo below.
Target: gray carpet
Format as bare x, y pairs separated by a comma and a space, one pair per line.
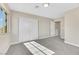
53, 43
18, 49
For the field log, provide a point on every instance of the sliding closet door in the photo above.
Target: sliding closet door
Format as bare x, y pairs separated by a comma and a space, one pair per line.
44, 28
28, 29
52, 28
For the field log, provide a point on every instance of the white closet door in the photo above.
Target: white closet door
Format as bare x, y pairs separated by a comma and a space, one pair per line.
44, 28
52, 28
28, 29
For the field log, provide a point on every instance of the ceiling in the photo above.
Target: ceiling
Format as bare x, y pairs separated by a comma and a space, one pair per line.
55, 10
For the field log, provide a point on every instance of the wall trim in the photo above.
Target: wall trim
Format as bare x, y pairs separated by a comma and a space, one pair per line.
13, 43
71, 43
7, 49
46, 37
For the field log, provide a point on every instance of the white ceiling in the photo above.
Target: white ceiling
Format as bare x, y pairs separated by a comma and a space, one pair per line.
55, 10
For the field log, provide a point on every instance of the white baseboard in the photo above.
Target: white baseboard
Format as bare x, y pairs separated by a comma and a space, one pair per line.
52, 36
14, 43
46, 37
7, 49
71, 43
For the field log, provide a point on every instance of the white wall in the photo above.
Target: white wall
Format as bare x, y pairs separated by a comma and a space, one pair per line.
61, 26
72, 27
15, 28
4, 43
5, 37
45, 26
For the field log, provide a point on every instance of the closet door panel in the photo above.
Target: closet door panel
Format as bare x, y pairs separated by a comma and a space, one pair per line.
52, 28
44, 28
28, 29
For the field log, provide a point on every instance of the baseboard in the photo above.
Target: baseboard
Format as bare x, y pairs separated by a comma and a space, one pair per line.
71, 43
14, 43
46, 37
7, 49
